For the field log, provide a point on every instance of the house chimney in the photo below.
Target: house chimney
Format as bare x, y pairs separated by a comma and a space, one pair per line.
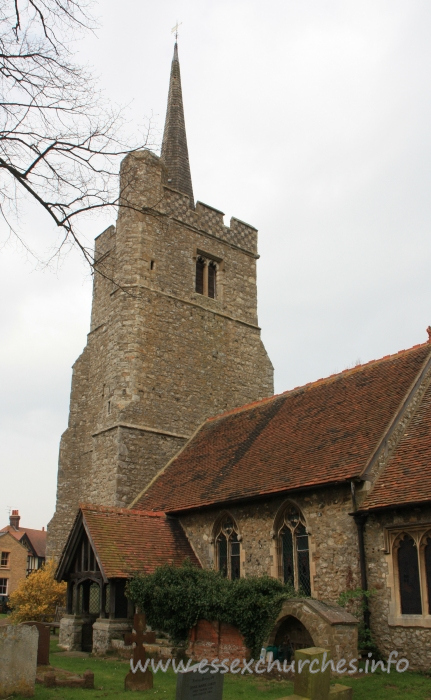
14, 519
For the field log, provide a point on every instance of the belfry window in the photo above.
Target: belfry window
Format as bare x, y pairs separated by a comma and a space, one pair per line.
228, 549
200, 266
206, 277
212, 272
294, 556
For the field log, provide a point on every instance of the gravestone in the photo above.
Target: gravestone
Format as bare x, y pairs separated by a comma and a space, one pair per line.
51, 680
316, 686
141, 680
192, 685
43, 644
18, 658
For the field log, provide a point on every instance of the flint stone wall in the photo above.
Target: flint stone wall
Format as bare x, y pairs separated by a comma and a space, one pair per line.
70, 633
410, 636
106, 630
160, 358
18, 660
334, 559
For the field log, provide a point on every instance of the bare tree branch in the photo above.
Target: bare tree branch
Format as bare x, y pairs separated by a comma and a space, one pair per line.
60, 142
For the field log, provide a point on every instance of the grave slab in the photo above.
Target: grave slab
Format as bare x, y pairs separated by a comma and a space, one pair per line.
192, 685
315, 686
312, 685
43, 644
18, 658
340, 692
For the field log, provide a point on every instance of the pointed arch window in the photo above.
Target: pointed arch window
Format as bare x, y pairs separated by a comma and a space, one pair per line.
408, 556
228, 548
408, 573
294, 555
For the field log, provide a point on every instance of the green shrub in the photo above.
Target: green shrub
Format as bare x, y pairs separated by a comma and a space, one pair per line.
175, 598
356, 602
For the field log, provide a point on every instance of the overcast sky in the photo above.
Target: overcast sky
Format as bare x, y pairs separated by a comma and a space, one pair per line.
309, 119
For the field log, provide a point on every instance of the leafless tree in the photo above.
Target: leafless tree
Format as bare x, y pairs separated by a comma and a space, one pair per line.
59, 140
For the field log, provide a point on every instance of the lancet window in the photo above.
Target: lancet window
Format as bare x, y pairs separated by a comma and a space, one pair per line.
408, 571
293, 545
228, 548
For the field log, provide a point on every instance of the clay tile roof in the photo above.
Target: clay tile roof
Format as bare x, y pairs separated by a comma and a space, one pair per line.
37, 538
128, 541
407, 476
321, 433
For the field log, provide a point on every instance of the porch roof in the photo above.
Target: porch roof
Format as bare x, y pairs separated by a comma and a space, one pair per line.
127, 542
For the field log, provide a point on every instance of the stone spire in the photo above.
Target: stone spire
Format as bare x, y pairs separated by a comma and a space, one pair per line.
174, 146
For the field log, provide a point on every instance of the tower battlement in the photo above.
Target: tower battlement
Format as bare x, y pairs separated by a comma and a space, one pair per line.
143, 187
174, 333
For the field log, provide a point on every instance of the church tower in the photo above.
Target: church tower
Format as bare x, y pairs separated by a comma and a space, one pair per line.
174, 337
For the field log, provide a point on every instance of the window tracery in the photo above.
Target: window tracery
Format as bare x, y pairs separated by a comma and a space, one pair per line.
228, 548
409, 553
294, 555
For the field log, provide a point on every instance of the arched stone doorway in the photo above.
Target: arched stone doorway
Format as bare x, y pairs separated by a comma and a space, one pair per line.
308, 622
290, 636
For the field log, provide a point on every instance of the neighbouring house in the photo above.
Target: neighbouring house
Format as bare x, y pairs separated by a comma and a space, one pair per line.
13, 564
176, 441
33, 540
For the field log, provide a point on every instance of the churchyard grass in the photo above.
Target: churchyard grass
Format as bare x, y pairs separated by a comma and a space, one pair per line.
109, 676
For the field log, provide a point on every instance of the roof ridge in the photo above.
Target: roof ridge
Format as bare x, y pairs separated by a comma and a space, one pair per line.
315, 383
122, 511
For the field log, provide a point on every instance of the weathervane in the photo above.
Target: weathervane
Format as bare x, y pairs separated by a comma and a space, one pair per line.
175, 29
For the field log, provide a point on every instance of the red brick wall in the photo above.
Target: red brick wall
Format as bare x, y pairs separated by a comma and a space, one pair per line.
216, 640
